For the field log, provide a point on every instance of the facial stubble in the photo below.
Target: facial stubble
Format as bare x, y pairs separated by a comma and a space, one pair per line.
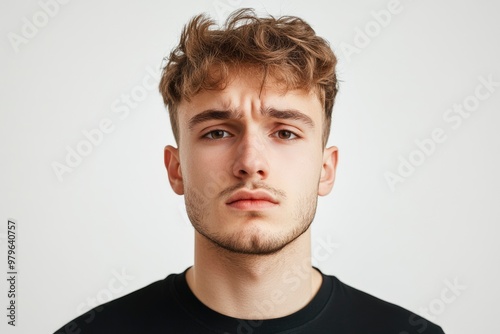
254, 241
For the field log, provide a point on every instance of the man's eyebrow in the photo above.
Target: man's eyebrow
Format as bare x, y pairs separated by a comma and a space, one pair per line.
212, 114
215, 114
288, 114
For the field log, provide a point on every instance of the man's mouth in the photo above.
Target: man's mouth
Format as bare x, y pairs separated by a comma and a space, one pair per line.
252, 200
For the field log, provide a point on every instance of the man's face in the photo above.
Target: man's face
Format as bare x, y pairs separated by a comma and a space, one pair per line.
251, 164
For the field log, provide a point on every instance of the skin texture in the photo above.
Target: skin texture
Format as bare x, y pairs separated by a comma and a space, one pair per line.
252, 137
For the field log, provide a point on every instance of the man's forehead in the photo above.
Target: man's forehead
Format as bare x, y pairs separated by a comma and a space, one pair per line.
236, 96
298, 105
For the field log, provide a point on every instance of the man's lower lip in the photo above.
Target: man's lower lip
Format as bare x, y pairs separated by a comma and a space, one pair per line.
252, 204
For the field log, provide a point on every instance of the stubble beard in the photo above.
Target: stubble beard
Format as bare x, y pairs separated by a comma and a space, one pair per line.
255, 241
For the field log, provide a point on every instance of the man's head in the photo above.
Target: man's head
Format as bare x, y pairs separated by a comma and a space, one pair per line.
286, 49
250, 106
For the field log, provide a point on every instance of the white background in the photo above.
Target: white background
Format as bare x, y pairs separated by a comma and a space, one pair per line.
115, 211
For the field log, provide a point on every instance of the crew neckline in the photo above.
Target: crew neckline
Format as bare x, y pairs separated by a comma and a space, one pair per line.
220, 323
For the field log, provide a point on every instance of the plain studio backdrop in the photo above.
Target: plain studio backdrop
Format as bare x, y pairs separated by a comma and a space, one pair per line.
413, 216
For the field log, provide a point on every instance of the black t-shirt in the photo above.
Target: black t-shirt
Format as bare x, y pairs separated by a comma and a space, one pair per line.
169, 306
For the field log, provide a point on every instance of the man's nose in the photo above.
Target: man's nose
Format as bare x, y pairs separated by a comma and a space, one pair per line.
251, 158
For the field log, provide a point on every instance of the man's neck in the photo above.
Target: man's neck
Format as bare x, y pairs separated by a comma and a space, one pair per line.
254, 286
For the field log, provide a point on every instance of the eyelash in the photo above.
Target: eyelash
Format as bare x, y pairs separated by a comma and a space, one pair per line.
295, 136
208, 134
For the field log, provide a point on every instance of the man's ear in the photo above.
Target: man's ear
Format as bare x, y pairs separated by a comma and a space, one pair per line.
330, 156
173, 165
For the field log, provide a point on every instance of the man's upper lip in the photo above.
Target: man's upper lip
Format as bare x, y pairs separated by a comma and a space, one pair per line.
251, 195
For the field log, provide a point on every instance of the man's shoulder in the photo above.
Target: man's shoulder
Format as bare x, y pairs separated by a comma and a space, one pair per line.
147, 304
361, 309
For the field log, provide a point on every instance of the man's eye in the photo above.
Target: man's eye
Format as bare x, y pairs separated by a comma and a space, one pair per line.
285, 134
216, 134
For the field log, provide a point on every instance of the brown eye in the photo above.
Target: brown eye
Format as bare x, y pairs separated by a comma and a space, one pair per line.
285, 134
217, 134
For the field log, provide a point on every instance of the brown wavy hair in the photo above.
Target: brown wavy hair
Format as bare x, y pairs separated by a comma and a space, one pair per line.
286, 48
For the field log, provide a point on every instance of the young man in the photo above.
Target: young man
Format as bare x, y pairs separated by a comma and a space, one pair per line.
250, 107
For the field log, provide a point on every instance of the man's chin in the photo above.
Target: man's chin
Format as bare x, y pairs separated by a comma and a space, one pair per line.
252, 242
259, 249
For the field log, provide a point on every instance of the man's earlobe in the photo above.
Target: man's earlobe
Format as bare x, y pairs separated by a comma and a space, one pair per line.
173, 165
330, 158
